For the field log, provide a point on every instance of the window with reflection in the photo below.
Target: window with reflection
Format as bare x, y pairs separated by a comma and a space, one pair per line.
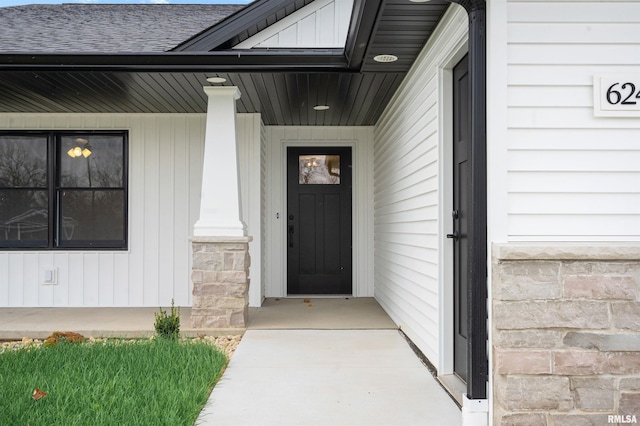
63, 190
319, 169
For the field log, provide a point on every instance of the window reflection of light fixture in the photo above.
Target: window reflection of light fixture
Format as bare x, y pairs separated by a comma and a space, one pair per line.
82, 148
311, 162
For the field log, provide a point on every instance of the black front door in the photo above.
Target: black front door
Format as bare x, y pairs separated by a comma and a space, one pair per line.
461, 210
319, 220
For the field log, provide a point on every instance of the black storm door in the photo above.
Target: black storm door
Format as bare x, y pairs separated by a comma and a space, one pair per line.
319, 220
461, 211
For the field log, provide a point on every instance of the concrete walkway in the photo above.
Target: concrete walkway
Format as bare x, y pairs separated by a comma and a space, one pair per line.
326, 362
327, 378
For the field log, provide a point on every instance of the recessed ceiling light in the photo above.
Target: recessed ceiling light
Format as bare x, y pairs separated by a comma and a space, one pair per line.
321, 107
216, 80
385, 58
419, 1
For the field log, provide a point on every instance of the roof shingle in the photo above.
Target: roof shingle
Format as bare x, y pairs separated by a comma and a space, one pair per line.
110, 28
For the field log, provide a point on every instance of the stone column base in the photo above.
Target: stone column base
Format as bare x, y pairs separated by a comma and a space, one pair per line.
220, 275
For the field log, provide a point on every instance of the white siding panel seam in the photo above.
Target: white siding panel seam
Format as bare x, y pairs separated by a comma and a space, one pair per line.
399, 301
403, 293
543, 11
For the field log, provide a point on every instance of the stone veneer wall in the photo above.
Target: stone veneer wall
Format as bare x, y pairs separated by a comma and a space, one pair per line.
220, 275
566, 341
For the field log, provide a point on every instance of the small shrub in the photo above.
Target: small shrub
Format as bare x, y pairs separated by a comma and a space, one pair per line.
62, 337
168, 325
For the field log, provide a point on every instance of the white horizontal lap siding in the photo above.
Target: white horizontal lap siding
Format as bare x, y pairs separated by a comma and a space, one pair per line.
407, 194
571, 176
165, 166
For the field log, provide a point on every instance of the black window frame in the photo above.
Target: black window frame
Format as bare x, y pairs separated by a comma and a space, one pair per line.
54, 189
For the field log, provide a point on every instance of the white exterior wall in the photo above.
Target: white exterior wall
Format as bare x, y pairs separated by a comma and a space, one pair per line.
277, 138
248, 127
263, 215
410, 196
569, 176
165, 171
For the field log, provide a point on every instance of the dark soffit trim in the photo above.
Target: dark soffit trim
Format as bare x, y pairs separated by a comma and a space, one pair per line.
245, 61
364, 18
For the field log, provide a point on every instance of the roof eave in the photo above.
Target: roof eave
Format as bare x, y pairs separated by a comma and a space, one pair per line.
363, 22
364, 18
237, 61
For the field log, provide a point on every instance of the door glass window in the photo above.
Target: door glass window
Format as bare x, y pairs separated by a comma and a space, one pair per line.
319, 169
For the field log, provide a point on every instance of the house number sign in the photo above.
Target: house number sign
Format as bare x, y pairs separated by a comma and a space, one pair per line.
616, 95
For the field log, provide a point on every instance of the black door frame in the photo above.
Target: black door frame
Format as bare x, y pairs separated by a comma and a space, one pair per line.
478, 364
346, 152
461, 191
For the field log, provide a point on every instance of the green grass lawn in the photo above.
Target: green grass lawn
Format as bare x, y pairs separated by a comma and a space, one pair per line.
156, 382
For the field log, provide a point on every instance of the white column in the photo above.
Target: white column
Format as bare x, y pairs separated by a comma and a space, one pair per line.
220, 195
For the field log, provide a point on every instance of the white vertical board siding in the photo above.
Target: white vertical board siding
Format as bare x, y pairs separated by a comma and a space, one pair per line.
250, 170
277, 138
165, 167
320, 24
407, 192
263, 209
571, 176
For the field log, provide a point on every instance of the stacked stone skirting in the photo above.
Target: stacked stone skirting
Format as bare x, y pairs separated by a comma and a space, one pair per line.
220, 275
566, 341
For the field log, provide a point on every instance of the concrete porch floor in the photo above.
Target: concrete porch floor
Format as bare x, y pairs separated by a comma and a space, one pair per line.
345, 313
38, 323
282, 313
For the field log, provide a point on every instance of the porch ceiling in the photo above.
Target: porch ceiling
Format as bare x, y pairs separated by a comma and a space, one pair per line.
281, 85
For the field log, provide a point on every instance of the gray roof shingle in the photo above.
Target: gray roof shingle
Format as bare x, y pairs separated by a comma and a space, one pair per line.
109, 28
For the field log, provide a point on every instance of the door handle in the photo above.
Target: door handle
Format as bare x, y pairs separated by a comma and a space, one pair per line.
290, 235
455, 236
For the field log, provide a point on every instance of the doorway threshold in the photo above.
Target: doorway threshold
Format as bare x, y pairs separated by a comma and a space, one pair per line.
319, 313
454, 387
317, 296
